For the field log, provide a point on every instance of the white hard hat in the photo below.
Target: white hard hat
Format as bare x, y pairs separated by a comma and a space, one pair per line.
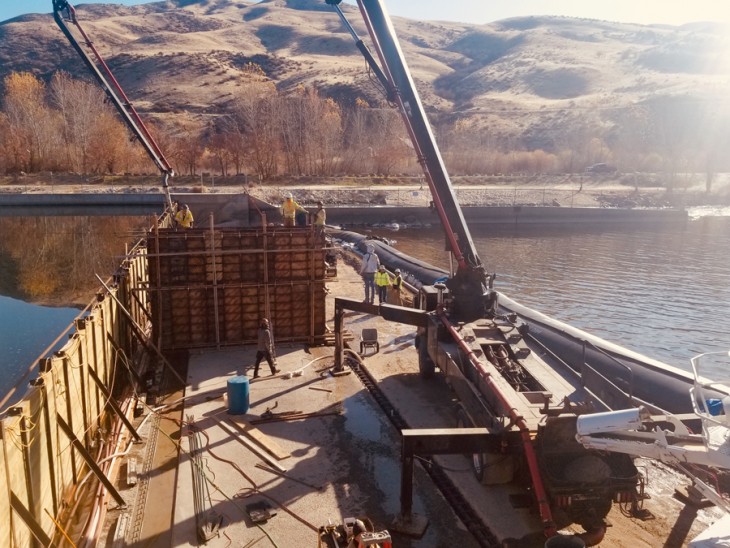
289, 196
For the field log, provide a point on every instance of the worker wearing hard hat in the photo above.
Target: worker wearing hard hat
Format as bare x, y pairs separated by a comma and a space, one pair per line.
397, 286
184, 217
368, 269
289, 210
320, 218
382, 282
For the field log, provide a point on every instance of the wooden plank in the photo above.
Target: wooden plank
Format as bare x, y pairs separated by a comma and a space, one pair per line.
257, 435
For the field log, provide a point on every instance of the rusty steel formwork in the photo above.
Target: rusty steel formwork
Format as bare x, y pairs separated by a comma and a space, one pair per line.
210, 287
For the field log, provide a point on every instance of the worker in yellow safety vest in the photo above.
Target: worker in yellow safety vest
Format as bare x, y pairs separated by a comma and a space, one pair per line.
382, 281
289, 210
397, 286
184, 217
320, 219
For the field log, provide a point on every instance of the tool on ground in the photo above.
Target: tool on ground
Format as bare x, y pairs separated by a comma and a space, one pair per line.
260, 511
294, 416
353, 533
268, 414
207, 520
266, 468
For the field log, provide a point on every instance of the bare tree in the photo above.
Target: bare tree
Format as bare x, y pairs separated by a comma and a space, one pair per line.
29, 120
81, 107
258, 114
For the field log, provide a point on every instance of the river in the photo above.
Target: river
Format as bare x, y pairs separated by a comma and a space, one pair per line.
26, 330
50, 255
663, 291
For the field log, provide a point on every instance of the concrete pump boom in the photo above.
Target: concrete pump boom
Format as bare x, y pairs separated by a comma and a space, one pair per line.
63, 11
469, 285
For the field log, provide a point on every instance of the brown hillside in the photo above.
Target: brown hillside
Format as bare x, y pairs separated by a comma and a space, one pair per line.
533, 76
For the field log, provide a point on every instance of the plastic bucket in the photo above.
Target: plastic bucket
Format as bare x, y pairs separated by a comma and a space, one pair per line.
238, 391
565, 541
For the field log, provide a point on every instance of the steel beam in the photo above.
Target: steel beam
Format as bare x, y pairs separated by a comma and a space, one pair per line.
90, 461
30, 521
113, 404
436, 441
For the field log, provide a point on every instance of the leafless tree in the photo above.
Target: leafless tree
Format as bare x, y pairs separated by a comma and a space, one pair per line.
30, 122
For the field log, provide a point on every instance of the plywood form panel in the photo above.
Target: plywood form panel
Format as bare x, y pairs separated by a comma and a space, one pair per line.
15, 478
251, 272
38, 465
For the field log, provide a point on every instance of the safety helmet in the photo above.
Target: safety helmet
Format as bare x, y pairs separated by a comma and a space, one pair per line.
289, 196
397, 270
381, 267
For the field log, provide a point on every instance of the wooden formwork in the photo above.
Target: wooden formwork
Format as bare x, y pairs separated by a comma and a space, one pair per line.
50, 439
210, 287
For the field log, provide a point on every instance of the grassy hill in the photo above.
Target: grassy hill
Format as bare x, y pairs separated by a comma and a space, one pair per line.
530, 82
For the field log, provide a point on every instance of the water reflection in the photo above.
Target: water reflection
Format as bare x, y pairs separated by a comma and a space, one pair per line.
51, 260
660, 290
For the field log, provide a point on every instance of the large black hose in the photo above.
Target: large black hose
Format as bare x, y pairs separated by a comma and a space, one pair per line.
646, 379
414, 271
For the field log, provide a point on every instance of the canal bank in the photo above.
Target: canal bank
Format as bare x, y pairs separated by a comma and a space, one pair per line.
244, 209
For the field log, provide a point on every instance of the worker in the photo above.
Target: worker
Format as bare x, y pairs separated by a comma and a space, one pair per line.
370, 264
320, 219
382, 282
289, 210
265, 348
397, 286
184, 217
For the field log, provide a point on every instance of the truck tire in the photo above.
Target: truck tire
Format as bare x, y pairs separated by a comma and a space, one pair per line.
425, 363
476, 459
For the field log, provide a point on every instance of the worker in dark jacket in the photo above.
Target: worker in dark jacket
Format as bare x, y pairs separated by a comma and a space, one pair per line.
265, 348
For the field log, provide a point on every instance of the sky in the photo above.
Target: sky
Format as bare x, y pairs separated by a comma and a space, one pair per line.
671, 12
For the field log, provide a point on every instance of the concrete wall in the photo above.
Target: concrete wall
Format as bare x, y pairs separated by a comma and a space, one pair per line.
357, 216
239, 209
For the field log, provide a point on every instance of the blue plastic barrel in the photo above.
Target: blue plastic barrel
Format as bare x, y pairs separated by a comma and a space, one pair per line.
714, 406
238, 390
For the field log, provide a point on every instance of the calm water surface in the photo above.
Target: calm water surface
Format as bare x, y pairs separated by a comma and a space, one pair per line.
26, 330
67, 251
663, 291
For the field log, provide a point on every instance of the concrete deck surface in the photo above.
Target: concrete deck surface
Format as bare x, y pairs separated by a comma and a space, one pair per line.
348, 464
339, 465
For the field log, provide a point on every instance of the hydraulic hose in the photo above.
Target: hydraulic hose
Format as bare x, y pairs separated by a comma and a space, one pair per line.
543, 504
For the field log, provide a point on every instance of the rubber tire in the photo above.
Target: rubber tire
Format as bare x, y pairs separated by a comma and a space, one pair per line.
425, 363
476, 459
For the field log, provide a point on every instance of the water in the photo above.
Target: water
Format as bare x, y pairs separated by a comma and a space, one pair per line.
26, 330
663, 291
56, 257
